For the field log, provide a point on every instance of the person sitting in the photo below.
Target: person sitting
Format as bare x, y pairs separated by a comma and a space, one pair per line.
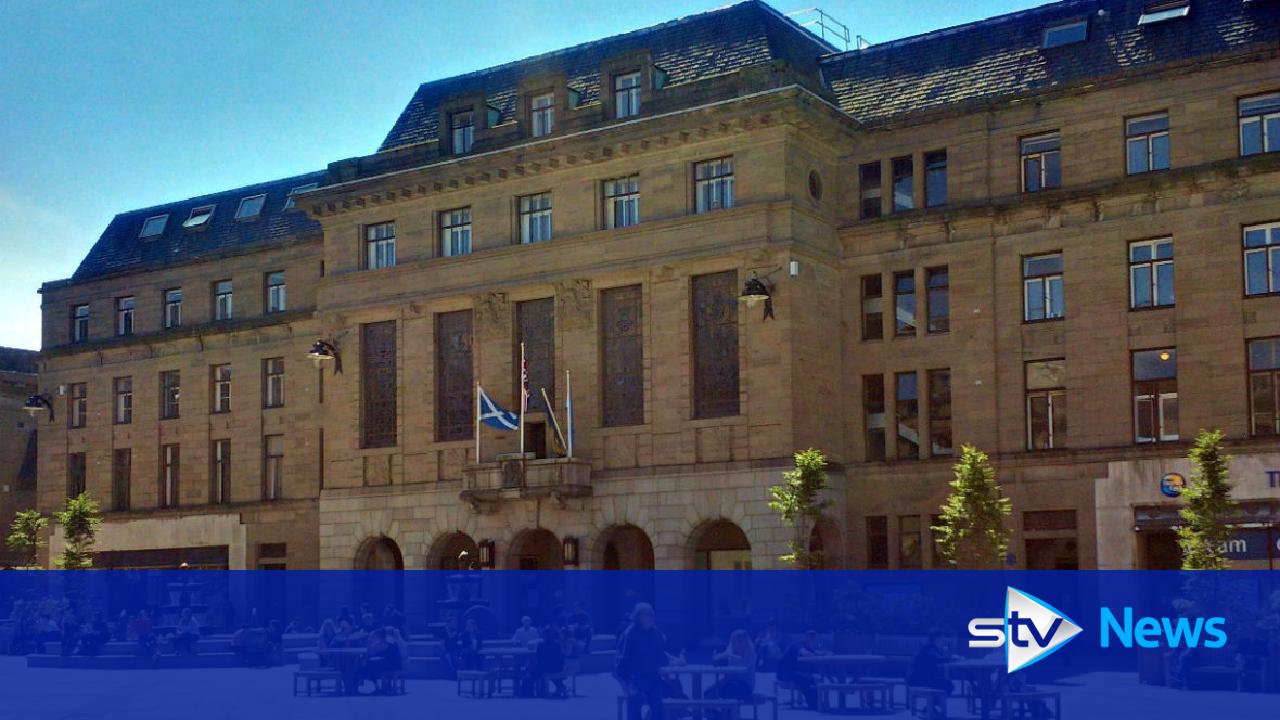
526, 635
469, 643
927, 669
70, 633
383, 657
94, 635
740, 653
548, 660
186, 634
642, 652
452, 640
789, 668
769, 647
141, 630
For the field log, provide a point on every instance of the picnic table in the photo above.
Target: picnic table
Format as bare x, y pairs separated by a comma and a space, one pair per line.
347, 661
696, 673
982, 676
841, 666
511, 661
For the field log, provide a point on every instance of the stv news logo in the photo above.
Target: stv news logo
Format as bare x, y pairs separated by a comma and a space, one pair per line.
1030, 630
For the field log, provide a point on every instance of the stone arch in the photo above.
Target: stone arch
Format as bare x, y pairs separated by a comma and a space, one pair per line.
535, 549
623, 547
379, 553
719, 544
447, 552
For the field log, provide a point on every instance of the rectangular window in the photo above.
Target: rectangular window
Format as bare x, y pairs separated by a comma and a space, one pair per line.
873, 416
1041, 162
1155, 395
1264, 386
1042, 287
622, 202
455, 389
869, 190
938, 285
122, 408
220, 472
907, 410
903, 184
79, 323
1158, 12
121, 478
877, 542
170, 471
77, 474
172, 308
199, 217
170, 393
289, 202
542, 114
273, 382
1046, 404
622, 356
1262, 259
935, 178
223, 301
535, 218
940, 412
124, 315
904, 303
715, 344
1147, 143
462, 131
380, 246
1151, 273
910, 539
251, 207
1259, 124
536, 331
77, 405
626, 94
378, 384
153, 226
872, 307
277, 292
220, 400
713, 185
1066, 33
272, 467
455, 232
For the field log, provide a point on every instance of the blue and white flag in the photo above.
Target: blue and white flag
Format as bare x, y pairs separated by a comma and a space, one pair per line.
494, 416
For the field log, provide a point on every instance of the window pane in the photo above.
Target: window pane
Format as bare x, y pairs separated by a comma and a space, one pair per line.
1034, 291
1272, 134
1169, 416
1160, 152
1164, 284
1251, 136
1038, 422
1143, 418
1264, 354
1056, 307
1052, 170
1255, 272
1031, 173
1155, 364
1138, 155
1141, 278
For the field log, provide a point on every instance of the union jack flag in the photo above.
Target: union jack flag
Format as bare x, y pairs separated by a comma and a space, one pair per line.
524, 382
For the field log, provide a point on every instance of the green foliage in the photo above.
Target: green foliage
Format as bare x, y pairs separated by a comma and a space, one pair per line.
972, 534
79, 519
1204, 533
27, 535
798, 501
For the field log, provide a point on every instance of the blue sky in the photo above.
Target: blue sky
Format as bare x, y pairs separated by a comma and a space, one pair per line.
111, 105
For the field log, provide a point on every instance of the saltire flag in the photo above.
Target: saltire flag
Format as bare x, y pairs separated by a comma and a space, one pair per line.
494, 416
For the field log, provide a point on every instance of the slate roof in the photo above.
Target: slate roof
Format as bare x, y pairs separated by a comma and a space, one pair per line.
688, 49
120, 246
18, 360
1001, 57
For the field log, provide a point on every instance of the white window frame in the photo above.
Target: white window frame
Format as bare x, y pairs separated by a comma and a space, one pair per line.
1147, 139
1270, 250
542, 114
199, 217
536, 223
455, 232
272, 468
172, 308
160, 220
80, 322
1051, 397
273, 382
170, 469
1161, 400
462, 135
1158, 12
222, 377
221, 471
1046, 283
125, 307
1050, 38
1152, 265
223, 300
626, 94
288, 201
251, 207
277, 292
380, 245
1269, 143
622, 202
122, 404
1041, 157
713, 184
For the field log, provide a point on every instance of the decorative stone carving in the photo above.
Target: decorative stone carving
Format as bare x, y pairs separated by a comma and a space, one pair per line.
493, 308
574, 301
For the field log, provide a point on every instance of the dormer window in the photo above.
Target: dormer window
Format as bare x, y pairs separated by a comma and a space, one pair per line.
288, 202
153, 226
250, 207
626, 94
199, 217
462, 131
542, 114
1067, 33
1159, 12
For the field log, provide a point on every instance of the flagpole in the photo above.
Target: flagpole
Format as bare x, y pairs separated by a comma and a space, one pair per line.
568, 412
524, 396
477, 423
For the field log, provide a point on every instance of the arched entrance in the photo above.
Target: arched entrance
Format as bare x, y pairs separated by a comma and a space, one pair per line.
825, 545
720, 545
380, 553
536, 549
624, 547
447, 552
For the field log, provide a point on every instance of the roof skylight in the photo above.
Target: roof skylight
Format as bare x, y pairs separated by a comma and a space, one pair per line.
1162, 11
1066, 33
199, 217
288, 202
153, 226
250, 207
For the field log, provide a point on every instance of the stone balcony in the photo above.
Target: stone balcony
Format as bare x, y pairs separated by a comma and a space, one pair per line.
486, 486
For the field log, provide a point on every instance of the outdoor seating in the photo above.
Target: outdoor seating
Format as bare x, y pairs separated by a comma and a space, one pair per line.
760, 699
480, 683
872, 696
894, 683
792, 693
1020, 704
316, 679
934, 703
392, 683
723, 708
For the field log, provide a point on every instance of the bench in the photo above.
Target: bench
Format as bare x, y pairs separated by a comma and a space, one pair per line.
1018, 704
481, 683
316, 679
724, 708
758, 699
894, 683
935, 702
392, 683
792, 693
872, 696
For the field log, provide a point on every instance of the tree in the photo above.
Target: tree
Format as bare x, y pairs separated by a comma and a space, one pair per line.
27, 536
799, 503
972, 535
1204, 534
79, 519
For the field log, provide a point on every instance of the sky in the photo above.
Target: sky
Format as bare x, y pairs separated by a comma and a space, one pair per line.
112, 105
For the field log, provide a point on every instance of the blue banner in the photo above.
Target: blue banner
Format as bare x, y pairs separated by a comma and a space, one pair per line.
666, 644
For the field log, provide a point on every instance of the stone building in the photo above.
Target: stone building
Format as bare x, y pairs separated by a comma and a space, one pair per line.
971, 232
17, 442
